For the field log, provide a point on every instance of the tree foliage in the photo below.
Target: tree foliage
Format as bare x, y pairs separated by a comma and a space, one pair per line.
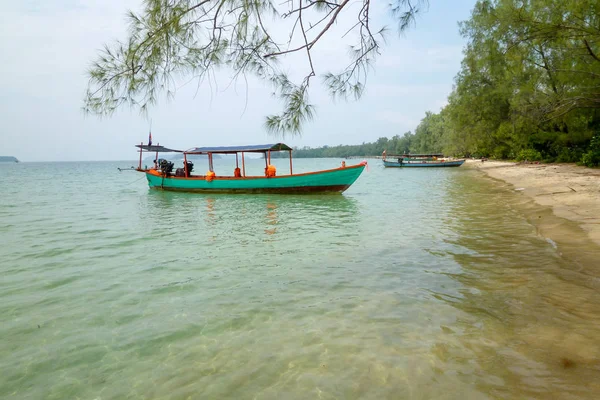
179, 39
528, 83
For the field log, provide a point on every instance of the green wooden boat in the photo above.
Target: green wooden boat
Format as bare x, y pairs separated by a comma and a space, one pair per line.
162, 176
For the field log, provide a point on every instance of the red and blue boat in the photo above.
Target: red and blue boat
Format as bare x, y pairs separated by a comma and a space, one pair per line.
163, 175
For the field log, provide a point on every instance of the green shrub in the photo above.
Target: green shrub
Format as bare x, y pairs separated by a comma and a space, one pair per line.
567, 154
592, 157
501, 152
529, 155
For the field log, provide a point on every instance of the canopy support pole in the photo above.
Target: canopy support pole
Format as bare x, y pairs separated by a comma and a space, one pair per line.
243, 165
185, 165
266, 163
141, 150
291, 173
210, 162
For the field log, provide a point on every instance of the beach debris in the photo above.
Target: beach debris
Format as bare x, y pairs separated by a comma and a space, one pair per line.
567, 363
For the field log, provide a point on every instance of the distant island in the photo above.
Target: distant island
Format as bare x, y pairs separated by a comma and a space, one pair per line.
7, 159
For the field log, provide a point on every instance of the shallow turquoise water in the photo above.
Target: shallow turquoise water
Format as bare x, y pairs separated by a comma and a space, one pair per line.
424, 283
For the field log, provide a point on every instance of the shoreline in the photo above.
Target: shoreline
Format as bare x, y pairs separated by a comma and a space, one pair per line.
572, 192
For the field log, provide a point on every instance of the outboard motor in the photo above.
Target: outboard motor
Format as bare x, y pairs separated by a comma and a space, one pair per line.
181, 171
165, 166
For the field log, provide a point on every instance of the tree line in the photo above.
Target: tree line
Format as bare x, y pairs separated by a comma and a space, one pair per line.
397, 144
528, 88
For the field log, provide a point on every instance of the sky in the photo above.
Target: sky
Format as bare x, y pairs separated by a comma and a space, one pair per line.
47, 47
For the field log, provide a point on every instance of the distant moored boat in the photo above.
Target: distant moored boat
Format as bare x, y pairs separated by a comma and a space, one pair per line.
420, 160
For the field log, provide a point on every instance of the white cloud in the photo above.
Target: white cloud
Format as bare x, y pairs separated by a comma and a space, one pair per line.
397, 90
399, 118
413, 59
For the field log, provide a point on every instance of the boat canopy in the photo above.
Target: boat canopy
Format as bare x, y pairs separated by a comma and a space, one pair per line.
417, 155
157, 149
258, 148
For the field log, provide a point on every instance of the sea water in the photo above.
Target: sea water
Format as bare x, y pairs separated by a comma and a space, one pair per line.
413, 284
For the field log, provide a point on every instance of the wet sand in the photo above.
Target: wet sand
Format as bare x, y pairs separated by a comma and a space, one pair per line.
571, 191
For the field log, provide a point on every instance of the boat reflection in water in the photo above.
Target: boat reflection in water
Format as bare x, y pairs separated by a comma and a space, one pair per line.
271, 219
245, 214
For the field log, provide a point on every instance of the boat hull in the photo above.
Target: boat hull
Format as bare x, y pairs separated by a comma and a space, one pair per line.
413, 164
328, 181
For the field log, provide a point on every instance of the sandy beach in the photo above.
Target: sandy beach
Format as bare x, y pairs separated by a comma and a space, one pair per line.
571, 191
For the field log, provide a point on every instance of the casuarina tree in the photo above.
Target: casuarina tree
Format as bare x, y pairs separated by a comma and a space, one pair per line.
183, 39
